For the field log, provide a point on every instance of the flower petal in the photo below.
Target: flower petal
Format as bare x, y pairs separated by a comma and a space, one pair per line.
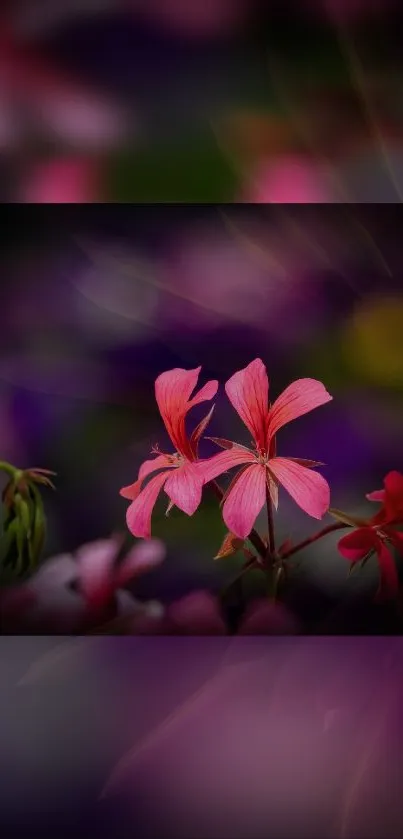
389, 582
207, 392
211, 467
245, 501
248, 392
297, 399
54, 573
162, 461
394, 495
184, 488
143, 557
397, 540
377, 495
132, 491
200, 429
95, 563
357, 544
172, 392
138, 516
308, 489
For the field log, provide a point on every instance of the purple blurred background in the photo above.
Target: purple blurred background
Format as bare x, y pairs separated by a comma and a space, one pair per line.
209, 100
98, 301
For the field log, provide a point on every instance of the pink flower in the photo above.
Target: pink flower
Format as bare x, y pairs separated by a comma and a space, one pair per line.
69, 593
248, 391
361, 542
176, 472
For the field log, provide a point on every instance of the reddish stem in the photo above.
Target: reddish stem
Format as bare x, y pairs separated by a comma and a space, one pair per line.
331, 528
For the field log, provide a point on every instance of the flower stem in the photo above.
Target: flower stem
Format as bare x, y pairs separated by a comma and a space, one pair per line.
253, 537
331, 528
270, 522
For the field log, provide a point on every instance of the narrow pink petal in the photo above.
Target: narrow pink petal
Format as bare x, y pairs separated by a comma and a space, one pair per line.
172, 392
200, 429
297, 399
198, 614
357, 544
389, 582
143, 557
184, 488
377, 495
95, 563
308, 489
248, 392
162, 461
207, 392
223, 461
138, 516
245, 501
131, 492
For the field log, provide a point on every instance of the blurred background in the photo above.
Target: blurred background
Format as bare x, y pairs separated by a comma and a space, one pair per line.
97, 301
209, 100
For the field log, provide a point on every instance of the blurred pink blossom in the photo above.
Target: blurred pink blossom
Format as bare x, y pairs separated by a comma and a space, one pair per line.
289, 180
196, 19
198, 613
61, 181
70, 593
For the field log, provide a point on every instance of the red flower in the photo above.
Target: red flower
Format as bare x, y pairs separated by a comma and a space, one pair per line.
391, 498
176, 472
248, 391
371, 537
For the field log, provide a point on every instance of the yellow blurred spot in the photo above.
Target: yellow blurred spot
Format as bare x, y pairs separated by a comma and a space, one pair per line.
373, 342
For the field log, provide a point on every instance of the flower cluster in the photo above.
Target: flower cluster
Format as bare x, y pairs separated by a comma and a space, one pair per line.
183, 474
259, 474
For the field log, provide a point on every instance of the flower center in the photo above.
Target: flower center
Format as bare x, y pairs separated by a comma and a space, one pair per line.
176, 459
262, 456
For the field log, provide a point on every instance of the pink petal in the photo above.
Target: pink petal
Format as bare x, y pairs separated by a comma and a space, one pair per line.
57, 572
394, 494
377, 495
297, 399
143, 557
223, 461
95, 570
357, 544
308, 489
131, 492
184, 488
162, 461
245, 501
200, 429
138, 516
197, 614
389, 582
207, 392
172, 392
248, 392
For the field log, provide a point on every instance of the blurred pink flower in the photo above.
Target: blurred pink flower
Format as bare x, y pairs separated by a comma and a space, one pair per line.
183, 485
198, 613
61, 181
288, 180
69, 593
195, 19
